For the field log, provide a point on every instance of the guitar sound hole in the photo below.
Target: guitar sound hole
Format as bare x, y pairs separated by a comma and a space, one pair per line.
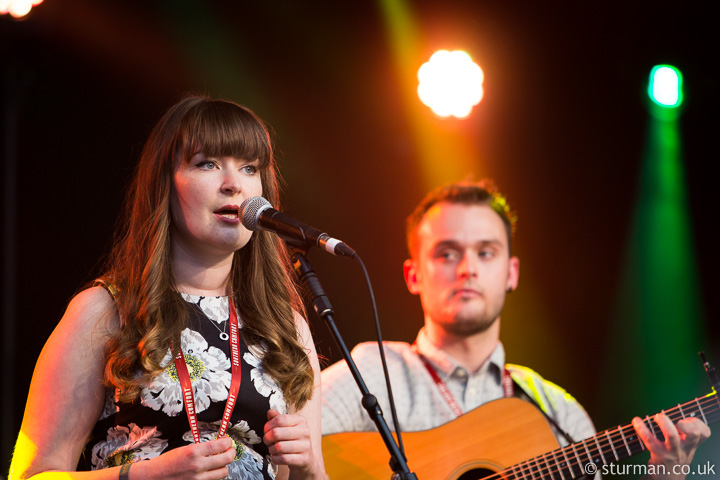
475, 474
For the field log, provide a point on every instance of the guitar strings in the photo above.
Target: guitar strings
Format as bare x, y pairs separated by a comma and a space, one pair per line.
708, 407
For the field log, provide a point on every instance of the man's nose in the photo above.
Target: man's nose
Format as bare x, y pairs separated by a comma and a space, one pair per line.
468, 266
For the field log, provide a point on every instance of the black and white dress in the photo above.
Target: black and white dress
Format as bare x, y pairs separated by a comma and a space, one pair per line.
157, 422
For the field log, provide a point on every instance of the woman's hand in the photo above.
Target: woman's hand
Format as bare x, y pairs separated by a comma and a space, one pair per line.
294, 439
199, 461
289, 441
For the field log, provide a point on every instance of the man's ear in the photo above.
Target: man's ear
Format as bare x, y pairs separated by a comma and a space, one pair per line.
513, 274
411, 280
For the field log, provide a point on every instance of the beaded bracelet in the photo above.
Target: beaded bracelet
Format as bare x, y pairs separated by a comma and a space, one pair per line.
125, 471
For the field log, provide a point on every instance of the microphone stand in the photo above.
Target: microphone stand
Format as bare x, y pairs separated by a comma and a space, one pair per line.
322, 307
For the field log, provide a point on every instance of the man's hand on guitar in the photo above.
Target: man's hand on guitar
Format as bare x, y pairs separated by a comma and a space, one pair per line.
681, 441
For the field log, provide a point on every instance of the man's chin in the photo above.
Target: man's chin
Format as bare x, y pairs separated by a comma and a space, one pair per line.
465, 327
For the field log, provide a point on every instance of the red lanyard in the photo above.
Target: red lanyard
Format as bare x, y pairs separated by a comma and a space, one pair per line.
186, 383
508, 388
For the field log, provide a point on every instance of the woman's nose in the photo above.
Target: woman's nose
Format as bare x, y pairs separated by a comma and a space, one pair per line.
231, 183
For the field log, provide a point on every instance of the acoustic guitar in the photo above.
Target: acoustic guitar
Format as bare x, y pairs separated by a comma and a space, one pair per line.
506, 438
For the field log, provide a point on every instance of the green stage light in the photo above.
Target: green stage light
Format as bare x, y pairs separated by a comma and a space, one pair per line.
665, 86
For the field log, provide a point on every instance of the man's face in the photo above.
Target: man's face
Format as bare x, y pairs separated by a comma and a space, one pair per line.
461, 268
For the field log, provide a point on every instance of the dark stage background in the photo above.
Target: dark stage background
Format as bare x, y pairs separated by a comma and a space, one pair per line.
562, 130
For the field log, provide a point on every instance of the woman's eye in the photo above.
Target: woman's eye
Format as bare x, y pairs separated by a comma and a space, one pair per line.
207, 165
250, 169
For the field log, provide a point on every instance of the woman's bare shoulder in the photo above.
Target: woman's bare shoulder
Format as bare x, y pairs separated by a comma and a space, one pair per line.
93, 312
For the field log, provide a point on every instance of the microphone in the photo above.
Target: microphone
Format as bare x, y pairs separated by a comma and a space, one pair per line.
256, 213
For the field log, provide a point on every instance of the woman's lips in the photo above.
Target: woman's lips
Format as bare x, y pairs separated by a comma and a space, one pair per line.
228, 213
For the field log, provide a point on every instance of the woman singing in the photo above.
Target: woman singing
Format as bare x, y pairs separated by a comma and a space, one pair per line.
188, 358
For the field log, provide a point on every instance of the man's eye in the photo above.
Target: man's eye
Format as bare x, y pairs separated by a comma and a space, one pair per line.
447, 255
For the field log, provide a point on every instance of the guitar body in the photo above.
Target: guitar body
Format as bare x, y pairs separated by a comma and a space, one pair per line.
488, 439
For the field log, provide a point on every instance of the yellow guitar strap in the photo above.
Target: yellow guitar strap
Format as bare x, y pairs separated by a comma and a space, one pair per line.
530, 384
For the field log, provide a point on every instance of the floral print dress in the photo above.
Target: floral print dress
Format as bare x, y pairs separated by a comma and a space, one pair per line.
157, 422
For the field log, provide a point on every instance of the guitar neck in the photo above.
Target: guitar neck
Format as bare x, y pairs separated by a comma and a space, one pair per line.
606, 447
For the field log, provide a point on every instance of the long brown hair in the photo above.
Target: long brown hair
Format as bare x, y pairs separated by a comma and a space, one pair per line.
152, 314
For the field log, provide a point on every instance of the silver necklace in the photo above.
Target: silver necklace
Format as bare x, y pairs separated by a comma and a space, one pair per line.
223, 335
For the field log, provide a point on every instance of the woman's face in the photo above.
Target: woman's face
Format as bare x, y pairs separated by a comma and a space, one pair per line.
206, 197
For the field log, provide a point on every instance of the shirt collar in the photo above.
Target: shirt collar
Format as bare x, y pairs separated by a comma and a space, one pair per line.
447, 365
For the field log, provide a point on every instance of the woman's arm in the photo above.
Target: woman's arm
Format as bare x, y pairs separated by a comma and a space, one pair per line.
295, 439
66, 393
66, 398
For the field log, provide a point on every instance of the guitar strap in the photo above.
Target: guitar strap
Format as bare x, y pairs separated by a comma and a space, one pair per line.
529, 397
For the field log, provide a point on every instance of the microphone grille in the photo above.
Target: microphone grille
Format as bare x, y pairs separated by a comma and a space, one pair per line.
250, 210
